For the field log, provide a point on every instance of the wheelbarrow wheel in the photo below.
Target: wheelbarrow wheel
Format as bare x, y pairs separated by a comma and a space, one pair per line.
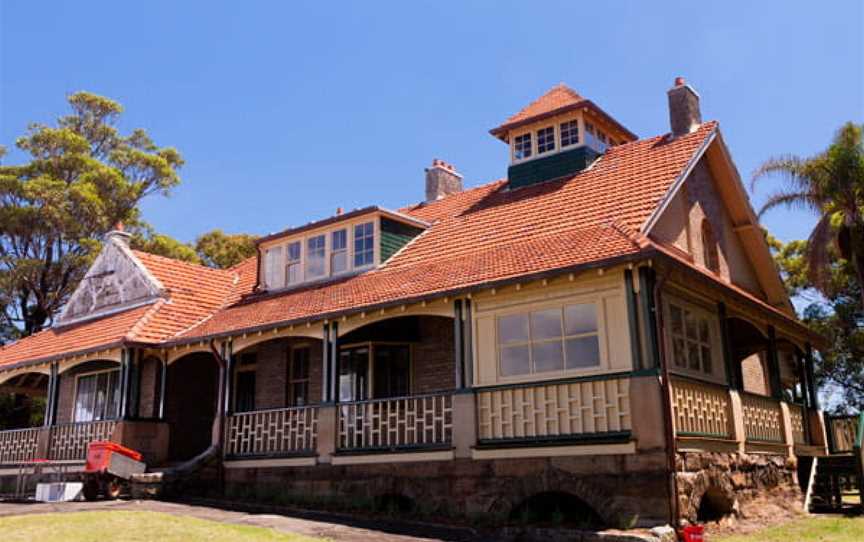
91, 490
113, 489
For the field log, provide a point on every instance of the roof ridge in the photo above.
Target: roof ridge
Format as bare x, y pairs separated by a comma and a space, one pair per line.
145, 318
177, 261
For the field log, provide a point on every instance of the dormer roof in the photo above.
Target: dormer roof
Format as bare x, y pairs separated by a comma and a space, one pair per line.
557, 100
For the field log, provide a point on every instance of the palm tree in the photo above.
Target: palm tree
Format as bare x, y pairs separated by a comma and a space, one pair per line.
830, 183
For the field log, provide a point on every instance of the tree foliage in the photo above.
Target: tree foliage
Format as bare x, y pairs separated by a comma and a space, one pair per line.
83, 176
223, 250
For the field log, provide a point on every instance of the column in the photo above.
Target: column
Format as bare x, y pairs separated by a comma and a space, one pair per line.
774, 365
811, 377
458, 346
325, 365
228, 357
633, 320
733, 373
163, 380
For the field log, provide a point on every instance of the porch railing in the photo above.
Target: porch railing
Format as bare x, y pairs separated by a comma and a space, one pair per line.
763, 421
796, 417
701, 409
17, 445
554, 411
403, 422
275, 432
69, 441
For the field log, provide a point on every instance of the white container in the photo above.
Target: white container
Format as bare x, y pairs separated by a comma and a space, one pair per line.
59, 492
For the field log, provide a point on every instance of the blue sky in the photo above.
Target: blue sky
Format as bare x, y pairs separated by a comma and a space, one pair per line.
286, 110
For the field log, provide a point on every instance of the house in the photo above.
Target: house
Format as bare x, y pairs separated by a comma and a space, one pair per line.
604, 329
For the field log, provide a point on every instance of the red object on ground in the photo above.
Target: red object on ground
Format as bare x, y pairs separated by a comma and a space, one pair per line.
99, 455
693, 533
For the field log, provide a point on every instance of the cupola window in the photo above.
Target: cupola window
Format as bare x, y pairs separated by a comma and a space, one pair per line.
545, 140
569, 133
522, 147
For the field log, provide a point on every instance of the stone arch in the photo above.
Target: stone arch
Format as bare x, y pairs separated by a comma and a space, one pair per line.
711, 497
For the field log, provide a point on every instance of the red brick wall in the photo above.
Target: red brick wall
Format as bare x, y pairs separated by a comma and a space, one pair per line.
148, 406
754, 373
433, 357
271, 371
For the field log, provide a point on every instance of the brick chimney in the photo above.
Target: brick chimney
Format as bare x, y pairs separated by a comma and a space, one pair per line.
119, 235
684, 113
442, 179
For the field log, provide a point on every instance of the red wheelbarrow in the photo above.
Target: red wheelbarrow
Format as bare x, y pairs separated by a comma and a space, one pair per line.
108, 470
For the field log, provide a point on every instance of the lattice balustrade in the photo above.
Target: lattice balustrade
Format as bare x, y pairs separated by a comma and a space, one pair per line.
69, 442
796, 416
405, 422
701, 409
762, 418
18, 445
554, 410
275, 432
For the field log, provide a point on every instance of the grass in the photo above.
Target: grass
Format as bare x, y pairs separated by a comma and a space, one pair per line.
812, 529
125, 526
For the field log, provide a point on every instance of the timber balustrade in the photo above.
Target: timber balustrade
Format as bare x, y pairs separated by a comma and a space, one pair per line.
842, 433
19, 445
419, 421
763, 419
276, 432
701, 409
69, 442
555, 410
796, 416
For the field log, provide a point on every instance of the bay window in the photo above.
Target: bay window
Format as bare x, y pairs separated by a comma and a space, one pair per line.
97, 396
557, 339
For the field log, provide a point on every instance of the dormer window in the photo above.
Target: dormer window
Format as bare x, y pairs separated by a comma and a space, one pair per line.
293, 271
569, 133
272, 265
338, 252
545, 140
316, 250
522, 147
364, 244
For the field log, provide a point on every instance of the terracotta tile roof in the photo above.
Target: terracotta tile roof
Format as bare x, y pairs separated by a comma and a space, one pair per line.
490, 234
193, 293
556, 100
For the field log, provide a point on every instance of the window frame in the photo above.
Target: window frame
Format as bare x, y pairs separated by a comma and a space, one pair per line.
288, 264
372, 235
575, 123
560, 304
292, 379
96, 373
516, 143
547, 139
307, 269
718, 371
344, 251
240, 367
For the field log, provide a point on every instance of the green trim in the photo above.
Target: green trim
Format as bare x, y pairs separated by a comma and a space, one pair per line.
649, 314
608, 437
547, 168
394, 236
633, 320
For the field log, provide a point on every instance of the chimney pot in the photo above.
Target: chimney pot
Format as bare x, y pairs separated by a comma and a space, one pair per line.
339, 211
685, 115
442, 179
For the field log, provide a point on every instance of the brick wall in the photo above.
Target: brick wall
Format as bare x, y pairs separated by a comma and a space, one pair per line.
433, 357
271, 371
148, 402
753, 371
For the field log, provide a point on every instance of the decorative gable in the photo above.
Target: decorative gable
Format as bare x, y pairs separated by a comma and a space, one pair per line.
117, 280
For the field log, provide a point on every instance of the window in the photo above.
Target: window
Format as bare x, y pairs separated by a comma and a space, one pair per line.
338, 252
545, 140
97, 396
691, 335
522, 147
316, 250
569, 133
392, 371
272, 264
244, 383
293, 271
298, 376
556, 339
710, 256
364, 244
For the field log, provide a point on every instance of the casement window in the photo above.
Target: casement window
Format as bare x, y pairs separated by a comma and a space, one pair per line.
569, 133
293, 269
391, 370
338, 252
364, 244
273, 276
298, 376
693, 338
545, 140
522, 147
557, 339
316, 250
97, 396
244, 383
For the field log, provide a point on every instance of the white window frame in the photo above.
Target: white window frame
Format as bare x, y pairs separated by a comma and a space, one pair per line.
718, 371
554, 138
354, 245
288, 263
579, 140
527, 309
345, 251
78, 377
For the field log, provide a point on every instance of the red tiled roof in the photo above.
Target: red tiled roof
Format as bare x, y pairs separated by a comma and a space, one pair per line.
490, 234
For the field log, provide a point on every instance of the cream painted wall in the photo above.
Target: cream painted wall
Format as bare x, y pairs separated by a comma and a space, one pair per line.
607, 291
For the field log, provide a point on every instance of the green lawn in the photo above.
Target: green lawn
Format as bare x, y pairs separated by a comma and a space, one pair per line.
815, 529
123, 526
